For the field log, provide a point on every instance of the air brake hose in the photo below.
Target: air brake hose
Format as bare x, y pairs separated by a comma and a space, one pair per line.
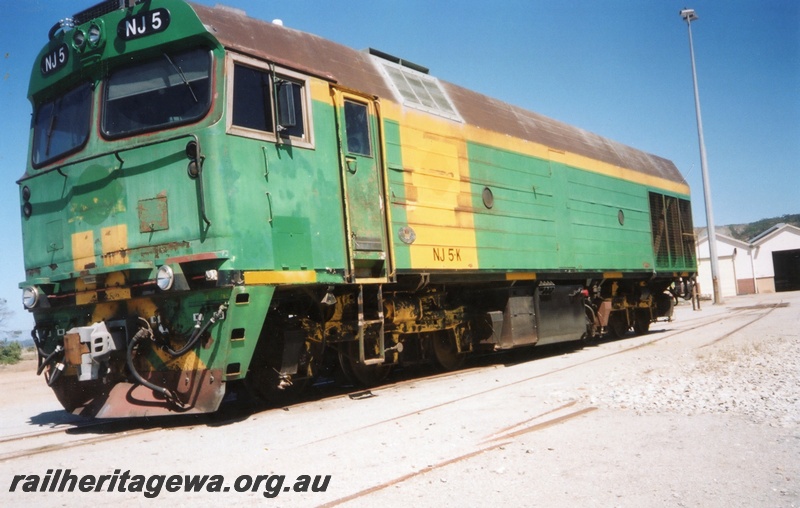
55, 373
147, 333
43, 359
40, 354
142, 334
198, 332
47, 358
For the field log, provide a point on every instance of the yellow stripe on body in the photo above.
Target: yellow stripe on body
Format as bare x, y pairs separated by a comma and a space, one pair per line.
438, 190
473, 134
437, 182
321, 91
521, 276
521, 146
280, 277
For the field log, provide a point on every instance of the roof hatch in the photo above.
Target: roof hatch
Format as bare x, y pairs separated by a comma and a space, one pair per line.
414, 87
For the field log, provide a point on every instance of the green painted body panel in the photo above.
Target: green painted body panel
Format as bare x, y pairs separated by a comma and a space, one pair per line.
397, 195
546, 216
242, 326
550, 216
283, 203
270, 206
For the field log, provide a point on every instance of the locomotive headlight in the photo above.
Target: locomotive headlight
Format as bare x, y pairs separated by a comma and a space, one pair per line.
93, 34
165, 278
30, 297
78, 39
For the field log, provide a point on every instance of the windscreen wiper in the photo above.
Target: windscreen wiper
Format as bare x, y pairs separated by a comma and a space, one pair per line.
183, 77
52, 127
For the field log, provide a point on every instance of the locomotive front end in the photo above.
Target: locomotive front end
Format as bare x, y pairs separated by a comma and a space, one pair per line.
125, 277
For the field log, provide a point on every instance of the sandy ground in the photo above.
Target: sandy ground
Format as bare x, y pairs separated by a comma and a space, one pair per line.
702, 411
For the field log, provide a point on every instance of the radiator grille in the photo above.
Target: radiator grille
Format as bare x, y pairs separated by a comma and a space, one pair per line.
673, 233
98, 10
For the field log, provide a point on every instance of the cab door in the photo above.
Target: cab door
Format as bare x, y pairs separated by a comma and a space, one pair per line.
362, 181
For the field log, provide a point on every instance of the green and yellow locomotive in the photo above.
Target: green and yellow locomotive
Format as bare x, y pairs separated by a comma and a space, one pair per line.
214, 199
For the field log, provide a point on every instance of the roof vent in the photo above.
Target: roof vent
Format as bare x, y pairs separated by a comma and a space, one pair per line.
399, 61
414, 87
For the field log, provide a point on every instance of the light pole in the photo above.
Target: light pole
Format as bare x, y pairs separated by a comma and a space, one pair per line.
689, 15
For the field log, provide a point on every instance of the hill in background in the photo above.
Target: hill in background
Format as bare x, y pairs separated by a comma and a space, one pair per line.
745, 232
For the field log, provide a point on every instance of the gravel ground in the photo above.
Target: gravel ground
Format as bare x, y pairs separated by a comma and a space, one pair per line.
757, 379
701, 412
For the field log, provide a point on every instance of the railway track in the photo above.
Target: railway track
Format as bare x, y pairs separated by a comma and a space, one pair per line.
55, 440
60, 446
736, 321
751, 315
64, 436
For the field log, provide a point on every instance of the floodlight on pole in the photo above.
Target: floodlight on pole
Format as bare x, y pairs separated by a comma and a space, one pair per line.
689, 15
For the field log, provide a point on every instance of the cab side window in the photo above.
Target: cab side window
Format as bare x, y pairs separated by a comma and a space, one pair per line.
269, 104
252, 108
290, 112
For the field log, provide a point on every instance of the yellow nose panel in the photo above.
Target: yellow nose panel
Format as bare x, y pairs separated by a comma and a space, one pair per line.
115, 244
82, 250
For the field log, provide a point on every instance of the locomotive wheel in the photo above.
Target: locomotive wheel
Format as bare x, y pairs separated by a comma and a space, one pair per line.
358, 373
641, 323
592, 325
445, 351
617, 325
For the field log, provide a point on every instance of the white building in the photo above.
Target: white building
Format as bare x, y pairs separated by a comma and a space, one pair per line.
768, 263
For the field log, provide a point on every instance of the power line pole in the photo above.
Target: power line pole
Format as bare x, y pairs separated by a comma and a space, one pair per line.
689, 15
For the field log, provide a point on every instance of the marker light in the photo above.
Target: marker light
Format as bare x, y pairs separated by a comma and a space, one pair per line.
165, 277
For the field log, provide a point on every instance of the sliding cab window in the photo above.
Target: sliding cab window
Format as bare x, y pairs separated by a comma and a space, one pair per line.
166, 91
268, 105
61, 125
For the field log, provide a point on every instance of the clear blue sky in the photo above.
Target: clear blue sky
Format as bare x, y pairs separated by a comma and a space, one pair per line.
619, 68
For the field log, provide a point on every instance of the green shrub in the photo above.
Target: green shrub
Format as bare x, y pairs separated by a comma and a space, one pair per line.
10, 352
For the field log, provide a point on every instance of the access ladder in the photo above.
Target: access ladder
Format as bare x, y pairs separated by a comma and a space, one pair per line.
364, 323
